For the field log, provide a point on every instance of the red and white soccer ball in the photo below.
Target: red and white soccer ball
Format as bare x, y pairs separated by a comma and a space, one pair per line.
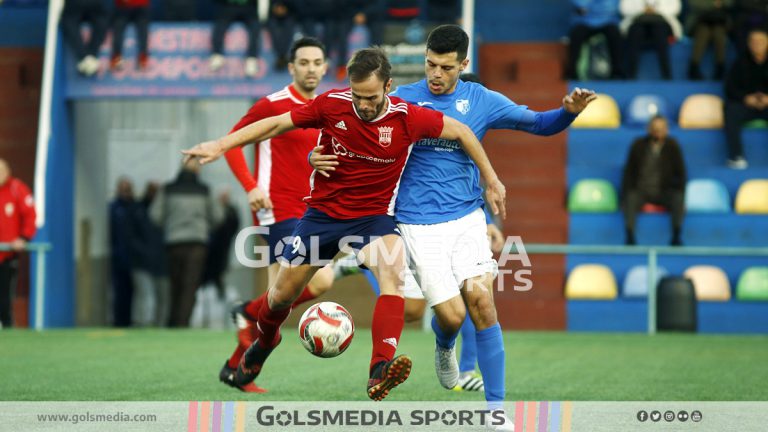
326, 329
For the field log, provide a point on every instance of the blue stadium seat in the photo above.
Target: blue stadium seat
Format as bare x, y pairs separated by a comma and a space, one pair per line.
707, 196
643, 107
636, 281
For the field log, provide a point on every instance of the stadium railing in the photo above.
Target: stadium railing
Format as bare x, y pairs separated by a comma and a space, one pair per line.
652, 253
39, 249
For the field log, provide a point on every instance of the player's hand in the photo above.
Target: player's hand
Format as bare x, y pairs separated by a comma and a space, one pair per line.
579, 98
496, 195
496, 238
258, 200
322, 163
19, 244
207, 151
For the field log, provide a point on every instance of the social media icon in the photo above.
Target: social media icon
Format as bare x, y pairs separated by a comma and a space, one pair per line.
682, 416
655, 416
696, 416
669, 416
642, 416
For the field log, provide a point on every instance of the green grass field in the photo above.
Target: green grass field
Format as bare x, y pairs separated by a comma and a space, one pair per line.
107, 365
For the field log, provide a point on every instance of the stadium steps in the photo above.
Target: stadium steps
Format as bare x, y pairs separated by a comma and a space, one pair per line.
533, 170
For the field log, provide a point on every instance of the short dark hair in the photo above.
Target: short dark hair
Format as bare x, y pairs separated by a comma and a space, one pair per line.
306, 42
369, 61
449, 38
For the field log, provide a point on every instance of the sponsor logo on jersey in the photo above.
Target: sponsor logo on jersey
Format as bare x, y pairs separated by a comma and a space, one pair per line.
341, 125
424, 103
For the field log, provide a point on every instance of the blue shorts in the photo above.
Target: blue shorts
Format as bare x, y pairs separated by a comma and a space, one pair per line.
282, 230
319, 237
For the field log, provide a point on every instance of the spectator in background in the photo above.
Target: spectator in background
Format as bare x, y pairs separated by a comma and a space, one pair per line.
228, 12
137, 12
746, 94
180, 10
151, 300
281, 24
748, 14
220, 244
76, 12
336, 18
707, 22
187, 213
650, 22
122, 239
17, 227
590, 18
654, 173
373, 14
443, 11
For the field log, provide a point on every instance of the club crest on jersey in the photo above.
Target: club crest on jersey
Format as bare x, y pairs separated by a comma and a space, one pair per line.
462, 106
385, 136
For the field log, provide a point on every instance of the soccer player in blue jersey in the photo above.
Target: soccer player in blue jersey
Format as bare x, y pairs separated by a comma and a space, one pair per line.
439, 206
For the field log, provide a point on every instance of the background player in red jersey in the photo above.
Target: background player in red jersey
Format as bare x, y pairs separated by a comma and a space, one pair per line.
274, 194
372, 133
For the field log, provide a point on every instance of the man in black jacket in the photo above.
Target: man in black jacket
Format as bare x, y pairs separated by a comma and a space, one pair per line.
654, 173
746, 93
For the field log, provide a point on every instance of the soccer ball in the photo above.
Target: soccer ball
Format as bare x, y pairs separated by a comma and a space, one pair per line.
326, 329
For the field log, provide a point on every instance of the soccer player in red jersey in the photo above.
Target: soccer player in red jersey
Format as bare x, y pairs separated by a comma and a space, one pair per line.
372, 133
274, 194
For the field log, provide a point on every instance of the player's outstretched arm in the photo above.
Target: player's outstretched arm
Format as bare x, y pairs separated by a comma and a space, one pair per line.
263, 129
495, 191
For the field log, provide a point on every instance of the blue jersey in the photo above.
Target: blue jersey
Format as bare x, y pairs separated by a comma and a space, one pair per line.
440, 182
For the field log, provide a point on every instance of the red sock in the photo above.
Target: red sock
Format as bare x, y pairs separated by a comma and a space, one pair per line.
269, 323
386, 328
305, 296
252, 308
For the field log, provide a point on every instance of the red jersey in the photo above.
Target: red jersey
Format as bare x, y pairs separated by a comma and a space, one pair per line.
281, 168
372, 154
17, 213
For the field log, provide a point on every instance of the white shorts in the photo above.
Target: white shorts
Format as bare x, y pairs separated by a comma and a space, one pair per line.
442, 256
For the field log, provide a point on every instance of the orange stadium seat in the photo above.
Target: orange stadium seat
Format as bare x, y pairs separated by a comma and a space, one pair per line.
701, 111
710, 283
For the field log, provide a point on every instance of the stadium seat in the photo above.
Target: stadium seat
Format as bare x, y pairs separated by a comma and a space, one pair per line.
592, 282
602, 113
702, 111
752, 197
592, 196
753, 284
756, 124
710, 282
707, 196
642, 108
636, 281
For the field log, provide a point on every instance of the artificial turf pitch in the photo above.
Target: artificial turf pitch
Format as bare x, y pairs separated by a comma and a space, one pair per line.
183, 365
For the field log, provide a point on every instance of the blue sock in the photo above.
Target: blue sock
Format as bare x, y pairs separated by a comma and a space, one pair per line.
468, 356
490, 357
444, 340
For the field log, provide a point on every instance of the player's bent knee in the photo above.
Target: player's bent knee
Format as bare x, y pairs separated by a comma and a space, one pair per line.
482, 312
451, 322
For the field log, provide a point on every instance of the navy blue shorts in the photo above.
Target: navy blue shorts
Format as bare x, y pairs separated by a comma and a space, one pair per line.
319, 237
280, 232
